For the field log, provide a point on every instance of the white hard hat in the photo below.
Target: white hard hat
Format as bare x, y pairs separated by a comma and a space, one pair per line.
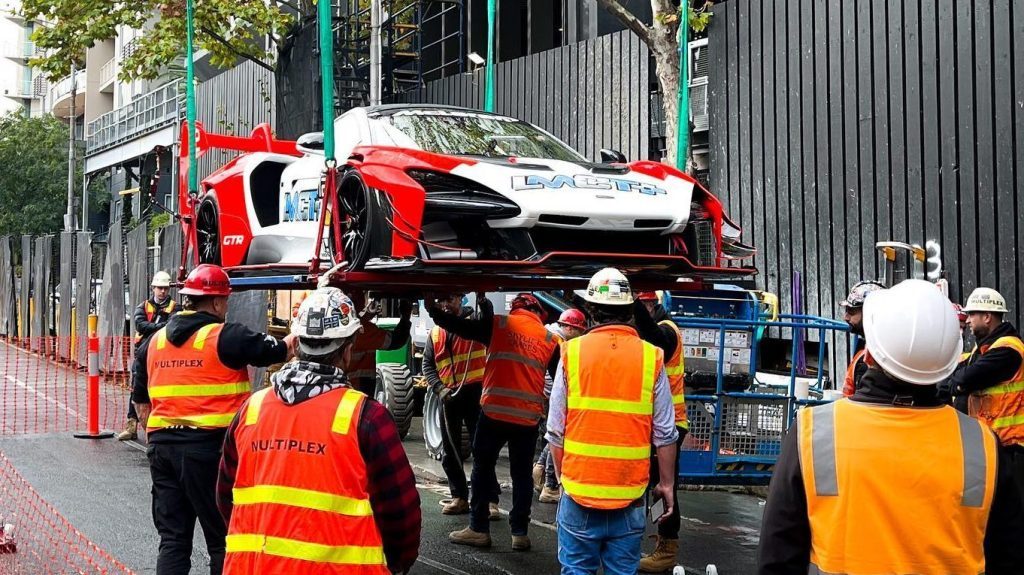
327, 315
609, 287
912, 332
986, 299
161, 279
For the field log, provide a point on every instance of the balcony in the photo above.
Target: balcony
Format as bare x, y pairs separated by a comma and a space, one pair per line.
108, 73
147, 113
20, 51
60, 96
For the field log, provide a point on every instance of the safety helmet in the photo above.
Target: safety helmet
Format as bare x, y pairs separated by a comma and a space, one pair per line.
912, 332
609, 287
326, 318
573, 318
161, 279
528, 301
207, 280
859, 292
646, 296
986, 299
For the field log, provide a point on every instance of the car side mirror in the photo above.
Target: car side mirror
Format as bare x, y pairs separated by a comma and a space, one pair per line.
311, 143
609, 156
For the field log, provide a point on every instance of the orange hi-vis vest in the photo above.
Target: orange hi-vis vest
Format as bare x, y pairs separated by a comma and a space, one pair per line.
300, 499
1001, 407
151, 310
674, 370
850, 382
189, 386
363, 363
458, 361
610, 375
896, 490
514, 373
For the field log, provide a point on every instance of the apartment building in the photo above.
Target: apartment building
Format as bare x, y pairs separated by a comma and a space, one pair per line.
20, 88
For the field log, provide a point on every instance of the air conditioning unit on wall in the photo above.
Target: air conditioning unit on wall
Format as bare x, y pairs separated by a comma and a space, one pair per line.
699, 65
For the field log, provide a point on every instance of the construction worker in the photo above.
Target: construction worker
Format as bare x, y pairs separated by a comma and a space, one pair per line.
991, 376
655, 326
314, 478
890, 480
149, 316
362, 372
852, 313
609, 404
511, 404
454, 368
191, 380
570, 325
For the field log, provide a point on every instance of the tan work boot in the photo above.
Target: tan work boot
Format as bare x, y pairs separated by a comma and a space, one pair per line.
131, 431
457, 506
495, 513
550, 495
663, 558
469, 537
538, 477
520, 542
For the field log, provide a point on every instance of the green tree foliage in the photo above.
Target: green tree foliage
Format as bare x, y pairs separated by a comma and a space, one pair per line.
228, 29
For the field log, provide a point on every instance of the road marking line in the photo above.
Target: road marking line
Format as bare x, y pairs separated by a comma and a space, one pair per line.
135, 445
440, 566
28, 387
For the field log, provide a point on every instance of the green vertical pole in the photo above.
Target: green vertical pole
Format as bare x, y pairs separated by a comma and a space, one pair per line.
327, 75
491, 57
190, 99
683, 120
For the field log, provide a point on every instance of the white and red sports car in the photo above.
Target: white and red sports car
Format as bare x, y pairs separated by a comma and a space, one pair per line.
457, 190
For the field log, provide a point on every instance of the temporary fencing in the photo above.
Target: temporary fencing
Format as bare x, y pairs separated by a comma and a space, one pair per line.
41, 540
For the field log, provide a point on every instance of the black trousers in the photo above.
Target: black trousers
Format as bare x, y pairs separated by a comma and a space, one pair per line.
491, 436
669, 528
463, 408
184, 490
1015, 455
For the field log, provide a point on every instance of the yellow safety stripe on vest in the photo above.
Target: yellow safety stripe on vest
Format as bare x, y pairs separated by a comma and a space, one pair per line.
678, 398
607, 451
150, 310
207, 420
1009, 341
305, 551
643, 407
511, 412
161, 338
512, 356
346, 411
1008, 421
304, 498
604, 491
200, 390
252, 412
972, 442
1004, 388
201, 334
672, 370
476, 354
613, 405
515, 394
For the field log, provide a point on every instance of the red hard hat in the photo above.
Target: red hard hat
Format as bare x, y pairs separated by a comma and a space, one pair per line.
573, 318
208, 280
960, 313
529, 302
647, 296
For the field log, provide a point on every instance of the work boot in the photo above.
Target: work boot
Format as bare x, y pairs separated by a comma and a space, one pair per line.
495, 514
457, 506
469, 537
538, 477
550, 495
663, 558
520, 542
131, 431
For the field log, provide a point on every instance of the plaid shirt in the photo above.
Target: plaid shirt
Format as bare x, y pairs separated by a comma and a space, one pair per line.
392, 485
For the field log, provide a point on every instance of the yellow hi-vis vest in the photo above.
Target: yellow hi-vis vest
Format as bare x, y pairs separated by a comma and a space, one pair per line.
610, 376
896, 490
1001, 406
674, 370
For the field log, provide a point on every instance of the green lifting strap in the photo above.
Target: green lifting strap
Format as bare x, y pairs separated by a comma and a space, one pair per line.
491, 58
327, 75
190, 99
683, 121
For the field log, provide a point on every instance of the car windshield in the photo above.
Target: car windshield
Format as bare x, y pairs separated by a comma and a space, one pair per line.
466, 133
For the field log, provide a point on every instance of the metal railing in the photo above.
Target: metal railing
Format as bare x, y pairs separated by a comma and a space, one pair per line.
147, 113
107, 71
18, 50
63, 87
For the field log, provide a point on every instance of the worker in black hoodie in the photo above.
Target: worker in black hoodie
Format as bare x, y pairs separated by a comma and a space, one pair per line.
191, 379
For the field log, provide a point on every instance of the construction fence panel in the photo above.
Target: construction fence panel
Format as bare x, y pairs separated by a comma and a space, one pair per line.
114, 353
82, 294
138, 271
249, 308
170, 252
41, 259
66, 265
25, 288
8, 308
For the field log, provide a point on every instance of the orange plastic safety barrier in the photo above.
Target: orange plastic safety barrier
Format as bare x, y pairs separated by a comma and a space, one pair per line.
38, 539
43, 388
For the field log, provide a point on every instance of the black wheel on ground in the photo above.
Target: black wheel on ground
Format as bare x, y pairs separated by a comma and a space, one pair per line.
363, 222
208, 233
395, 392
433, 436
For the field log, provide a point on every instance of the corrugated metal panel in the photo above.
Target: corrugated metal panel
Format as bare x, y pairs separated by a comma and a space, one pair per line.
8, 310
834, 125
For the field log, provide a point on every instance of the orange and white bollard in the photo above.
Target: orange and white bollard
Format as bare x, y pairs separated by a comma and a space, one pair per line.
93, 387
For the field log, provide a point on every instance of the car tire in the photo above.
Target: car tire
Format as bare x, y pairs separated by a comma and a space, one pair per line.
394, 391
433, 437
208, 233
370, 235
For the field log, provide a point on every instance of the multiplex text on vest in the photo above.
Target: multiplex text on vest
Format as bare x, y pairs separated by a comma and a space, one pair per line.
311, 447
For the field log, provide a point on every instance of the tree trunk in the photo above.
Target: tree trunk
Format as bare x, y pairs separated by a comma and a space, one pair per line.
667, 62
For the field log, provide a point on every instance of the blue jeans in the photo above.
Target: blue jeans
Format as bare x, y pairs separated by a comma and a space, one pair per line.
589, 539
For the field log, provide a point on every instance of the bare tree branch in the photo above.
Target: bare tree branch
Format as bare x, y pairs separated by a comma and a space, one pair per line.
206, 30
627, 18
